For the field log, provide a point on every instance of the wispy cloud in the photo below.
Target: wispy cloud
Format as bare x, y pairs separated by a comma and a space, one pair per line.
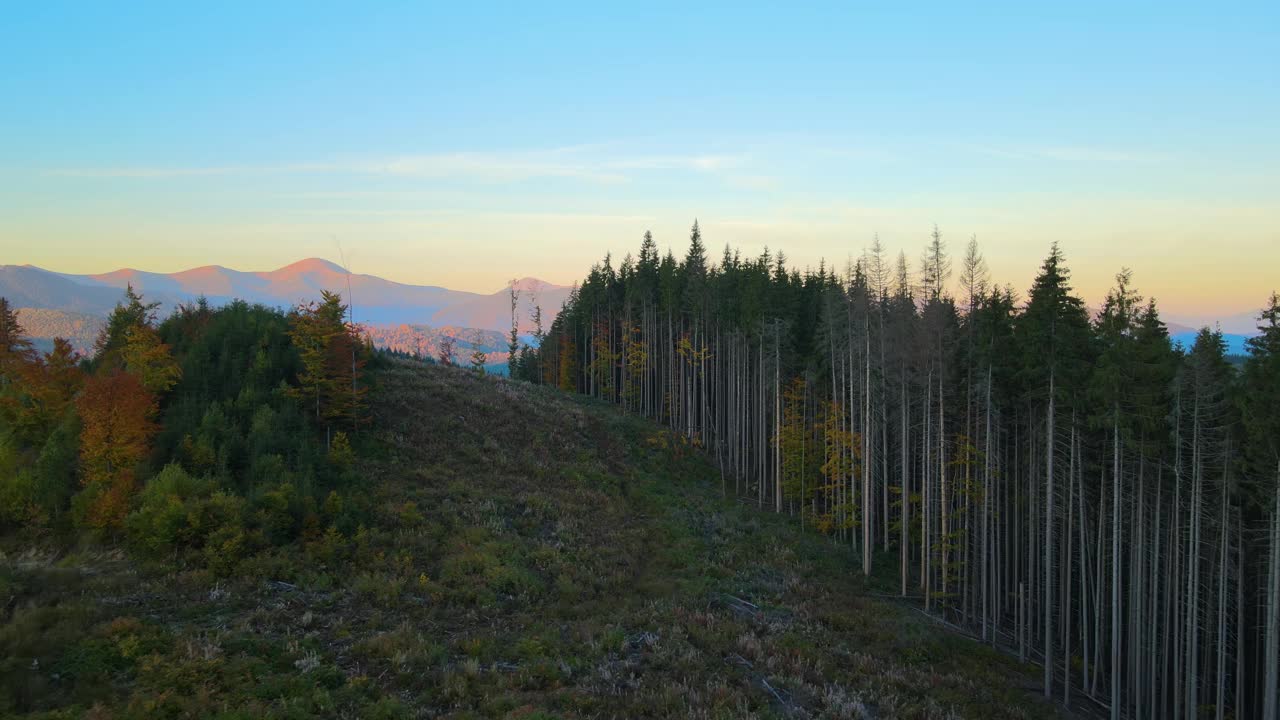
584, 162
177, 172
494, 166
703, 163
488, 213
1063, 153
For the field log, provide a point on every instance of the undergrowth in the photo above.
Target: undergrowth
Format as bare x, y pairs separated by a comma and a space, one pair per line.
523, 554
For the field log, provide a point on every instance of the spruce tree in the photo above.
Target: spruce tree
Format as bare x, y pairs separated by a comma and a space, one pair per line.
1054, 337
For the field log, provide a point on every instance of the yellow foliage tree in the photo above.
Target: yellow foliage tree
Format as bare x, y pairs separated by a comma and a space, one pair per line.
150, 360
567, 364
842, 454
793, 439
636, 357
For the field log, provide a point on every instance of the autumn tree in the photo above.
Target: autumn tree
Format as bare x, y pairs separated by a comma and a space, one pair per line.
446, 353
118, 422
150, 359
37, 426
48, 386
333, 359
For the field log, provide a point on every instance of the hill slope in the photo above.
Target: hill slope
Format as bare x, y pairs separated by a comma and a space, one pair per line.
530, 555
26, 286
43, 325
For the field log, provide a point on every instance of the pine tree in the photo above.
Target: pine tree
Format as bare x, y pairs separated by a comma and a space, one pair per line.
15, 348
133, 313
1054, 486
1054, 337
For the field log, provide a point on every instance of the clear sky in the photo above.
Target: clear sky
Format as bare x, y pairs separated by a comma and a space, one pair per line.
462, 144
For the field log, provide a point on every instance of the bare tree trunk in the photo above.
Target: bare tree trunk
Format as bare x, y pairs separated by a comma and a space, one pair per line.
942, 479
1193, 570
1272, 650
1066, 643
777, 415
904, 548
986, 515
866, 465
1220, 702
1047, 608
1022, 622
1115, 565
1097, 585
1084, 596
926, 508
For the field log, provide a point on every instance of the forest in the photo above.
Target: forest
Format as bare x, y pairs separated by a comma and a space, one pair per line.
1064, 482
214, 433
244, 512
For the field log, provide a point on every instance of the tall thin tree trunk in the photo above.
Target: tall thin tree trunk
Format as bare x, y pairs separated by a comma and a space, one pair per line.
1115, 565
904, 526
986, 515
1221, 700
1047, 601
1272, 650
866, 465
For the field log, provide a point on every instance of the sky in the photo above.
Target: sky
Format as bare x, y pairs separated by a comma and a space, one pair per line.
463, 144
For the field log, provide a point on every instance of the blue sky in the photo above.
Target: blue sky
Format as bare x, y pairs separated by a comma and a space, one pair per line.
463, 146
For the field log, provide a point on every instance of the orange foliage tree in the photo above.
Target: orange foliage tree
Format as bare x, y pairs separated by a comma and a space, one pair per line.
117, 414
49, 385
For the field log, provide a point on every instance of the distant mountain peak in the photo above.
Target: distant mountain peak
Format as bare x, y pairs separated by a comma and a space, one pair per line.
204, 270
311, 265
122, 272
527, 284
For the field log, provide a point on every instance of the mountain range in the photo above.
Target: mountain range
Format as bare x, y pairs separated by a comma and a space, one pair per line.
53, 304
57, 304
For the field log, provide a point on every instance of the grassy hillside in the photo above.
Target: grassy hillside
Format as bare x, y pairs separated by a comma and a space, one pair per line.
526, 555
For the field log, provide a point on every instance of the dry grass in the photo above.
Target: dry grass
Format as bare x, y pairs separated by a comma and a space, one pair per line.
533, 556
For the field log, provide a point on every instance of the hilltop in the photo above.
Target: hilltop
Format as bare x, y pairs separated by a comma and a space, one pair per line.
525, 554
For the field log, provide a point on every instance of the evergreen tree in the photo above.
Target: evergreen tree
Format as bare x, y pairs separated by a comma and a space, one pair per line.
1045, 478
133, 313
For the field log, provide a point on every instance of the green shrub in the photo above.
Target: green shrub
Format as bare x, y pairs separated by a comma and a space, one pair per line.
177, 511
279, 512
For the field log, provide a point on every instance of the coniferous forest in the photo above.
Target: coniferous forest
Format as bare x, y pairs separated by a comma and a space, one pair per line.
1064, 485
1062, 481
373, 364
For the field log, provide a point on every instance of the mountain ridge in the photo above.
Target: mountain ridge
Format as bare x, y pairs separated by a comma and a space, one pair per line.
377, 301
